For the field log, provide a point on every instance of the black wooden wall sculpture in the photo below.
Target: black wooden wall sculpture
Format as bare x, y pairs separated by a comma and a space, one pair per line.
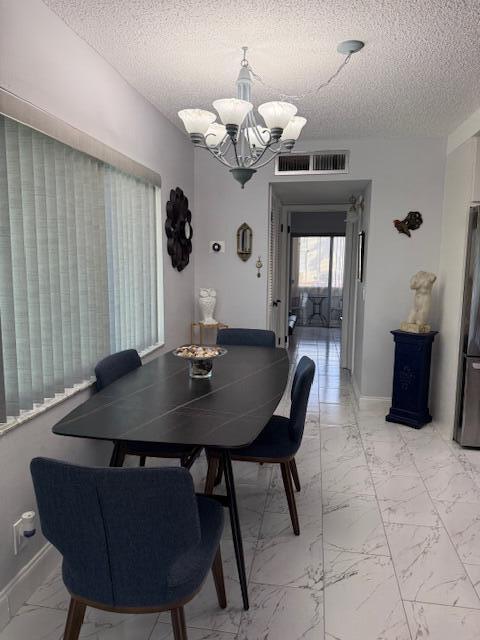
178, 228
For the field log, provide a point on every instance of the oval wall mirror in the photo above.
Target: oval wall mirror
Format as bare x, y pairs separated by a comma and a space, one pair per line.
244, 242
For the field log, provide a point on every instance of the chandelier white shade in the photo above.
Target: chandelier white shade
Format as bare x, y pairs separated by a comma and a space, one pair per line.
240, 142
232, 110
277, 114
215, 134
294, 128
196, 120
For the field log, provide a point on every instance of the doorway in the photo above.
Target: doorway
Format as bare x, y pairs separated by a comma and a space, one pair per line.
313, 280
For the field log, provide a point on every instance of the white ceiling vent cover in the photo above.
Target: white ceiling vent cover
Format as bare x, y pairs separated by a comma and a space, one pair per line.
319, 162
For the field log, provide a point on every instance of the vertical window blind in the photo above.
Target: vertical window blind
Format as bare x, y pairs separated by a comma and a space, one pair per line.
79, 266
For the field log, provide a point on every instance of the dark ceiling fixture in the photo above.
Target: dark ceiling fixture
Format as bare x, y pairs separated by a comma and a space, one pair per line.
178, 227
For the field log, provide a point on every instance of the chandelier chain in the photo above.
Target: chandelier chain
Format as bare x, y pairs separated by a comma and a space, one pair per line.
313, 91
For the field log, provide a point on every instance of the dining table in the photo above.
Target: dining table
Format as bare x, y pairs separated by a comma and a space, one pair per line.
160, 403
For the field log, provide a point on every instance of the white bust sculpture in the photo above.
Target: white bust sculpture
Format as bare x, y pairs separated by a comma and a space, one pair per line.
207, 300
422, 283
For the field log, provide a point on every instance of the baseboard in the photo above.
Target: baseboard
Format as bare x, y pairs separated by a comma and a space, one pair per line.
356, 390
29, 578
370, 403
4, 612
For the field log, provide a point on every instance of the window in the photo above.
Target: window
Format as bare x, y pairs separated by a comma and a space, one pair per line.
338, 261
80, 266
317, 255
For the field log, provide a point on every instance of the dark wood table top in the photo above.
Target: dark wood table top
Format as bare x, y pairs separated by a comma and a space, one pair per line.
160, 403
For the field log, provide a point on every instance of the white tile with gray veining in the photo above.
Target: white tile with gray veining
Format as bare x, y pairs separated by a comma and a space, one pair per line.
387, 459
362, 599
436, 622
278, 612
353, 523
164, 631
344, 467
405, 500
428, 567
332, 415
462, 522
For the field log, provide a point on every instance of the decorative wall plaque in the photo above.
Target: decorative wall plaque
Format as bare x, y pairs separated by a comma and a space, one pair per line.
178, 227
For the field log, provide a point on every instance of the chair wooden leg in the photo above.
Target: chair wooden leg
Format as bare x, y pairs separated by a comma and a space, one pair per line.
219, 476
143, 460
294, 472
76, 613
178, 624
217, 572
292, 507
213, 465
187, 461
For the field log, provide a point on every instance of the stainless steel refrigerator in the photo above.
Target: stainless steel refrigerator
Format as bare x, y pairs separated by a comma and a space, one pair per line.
467, 431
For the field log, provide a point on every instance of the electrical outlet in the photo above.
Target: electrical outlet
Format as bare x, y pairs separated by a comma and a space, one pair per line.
19, 541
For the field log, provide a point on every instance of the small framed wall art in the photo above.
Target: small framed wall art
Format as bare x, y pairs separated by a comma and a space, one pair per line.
361, 256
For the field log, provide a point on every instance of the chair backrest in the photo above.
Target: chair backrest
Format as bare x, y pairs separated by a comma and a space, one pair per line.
118, 529
115, 366
302, 382
246, 337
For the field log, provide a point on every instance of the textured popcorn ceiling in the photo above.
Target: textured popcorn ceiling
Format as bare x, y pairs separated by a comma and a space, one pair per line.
419, 73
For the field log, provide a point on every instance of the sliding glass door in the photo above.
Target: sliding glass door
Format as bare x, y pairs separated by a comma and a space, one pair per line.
317, 280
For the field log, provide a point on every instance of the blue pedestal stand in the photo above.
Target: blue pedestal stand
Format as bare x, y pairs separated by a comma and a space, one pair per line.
411, 378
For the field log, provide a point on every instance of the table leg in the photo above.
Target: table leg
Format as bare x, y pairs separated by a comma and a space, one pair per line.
118, 454
235, 523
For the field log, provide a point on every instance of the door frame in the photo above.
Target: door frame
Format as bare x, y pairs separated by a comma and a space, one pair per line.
277, 302
347, 345
347, 342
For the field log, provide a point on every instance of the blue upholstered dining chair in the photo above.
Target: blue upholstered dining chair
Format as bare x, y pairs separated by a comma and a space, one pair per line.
279, 441
116, 366
246, 337
132, 540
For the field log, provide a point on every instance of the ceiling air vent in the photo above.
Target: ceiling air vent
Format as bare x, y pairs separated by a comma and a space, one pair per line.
319, 162
293, 162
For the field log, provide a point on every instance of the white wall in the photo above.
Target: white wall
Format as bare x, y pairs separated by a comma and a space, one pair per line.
462, 169
222, 207
44, 62
406, 175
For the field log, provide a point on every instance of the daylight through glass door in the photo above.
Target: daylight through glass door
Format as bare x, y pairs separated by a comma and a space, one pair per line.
316, 295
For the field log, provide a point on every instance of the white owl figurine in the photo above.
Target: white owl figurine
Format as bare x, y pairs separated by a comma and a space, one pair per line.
207, 300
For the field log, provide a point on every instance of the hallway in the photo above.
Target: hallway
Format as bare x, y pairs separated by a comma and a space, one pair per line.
389, 546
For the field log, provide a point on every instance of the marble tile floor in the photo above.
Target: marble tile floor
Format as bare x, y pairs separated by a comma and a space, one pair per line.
389, 546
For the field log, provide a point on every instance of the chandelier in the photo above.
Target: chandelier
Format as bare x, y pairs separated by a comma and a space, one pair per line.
240, 142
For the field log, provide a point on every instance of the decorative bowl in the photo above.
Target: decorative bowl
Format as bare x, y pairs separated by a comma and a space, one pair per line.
200, 358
